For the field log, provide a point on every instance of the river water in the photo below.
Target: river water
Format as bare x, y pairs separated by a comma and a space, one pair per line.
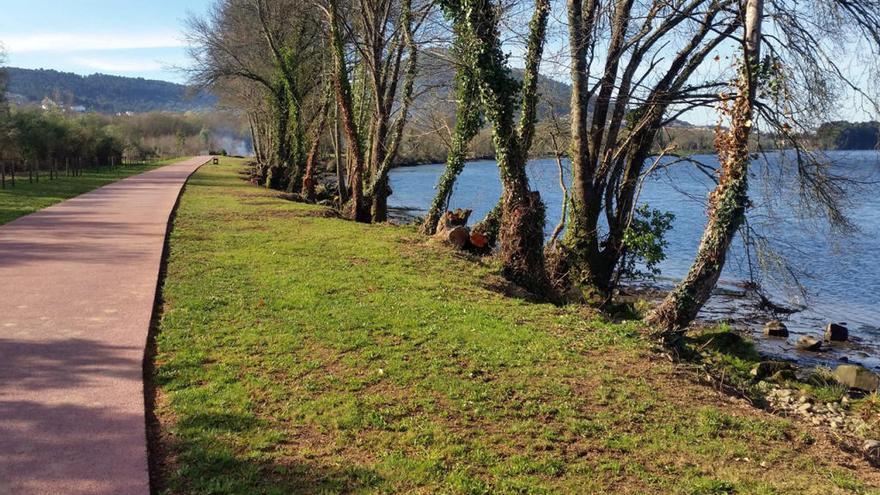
838, 275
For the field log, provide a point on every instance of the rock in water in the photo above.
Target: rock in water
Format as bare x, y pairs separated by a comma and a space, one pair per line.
807, 343
836, 333
775, 328
855, 376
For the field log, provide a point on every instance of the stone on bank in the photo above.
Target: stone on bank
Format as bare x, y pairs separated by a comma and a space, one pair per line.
858, 377
775, 328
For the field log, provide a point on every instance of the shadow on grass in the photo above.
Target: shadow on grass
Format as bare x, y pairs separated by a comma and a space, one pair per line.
191, 456
195, 459
728, 358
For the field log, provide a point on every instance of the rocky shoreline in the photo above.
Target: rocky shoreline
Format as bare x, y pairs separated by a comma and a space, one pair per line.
747, 315
851, 420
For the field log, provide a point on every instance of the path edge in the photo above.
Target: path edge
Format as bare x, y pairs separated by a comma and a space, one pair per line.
151, 426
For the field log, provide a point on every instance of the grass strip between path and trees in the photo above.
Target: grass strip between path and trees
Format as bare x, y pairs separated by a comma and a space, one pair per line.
27, 197
300, 353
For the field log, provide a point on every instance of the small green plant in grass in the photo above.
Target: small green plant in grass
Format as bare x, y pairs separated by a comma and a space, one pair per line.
708, 486
731, 356
821, 385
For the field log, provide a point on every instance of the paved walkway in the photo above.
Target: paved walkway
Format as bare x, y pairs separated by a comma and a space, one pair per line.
77, 286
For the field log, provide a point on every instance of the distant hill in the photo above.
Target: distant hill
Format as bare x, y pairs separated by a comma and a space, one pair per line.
434, 87
103, 93
844, 135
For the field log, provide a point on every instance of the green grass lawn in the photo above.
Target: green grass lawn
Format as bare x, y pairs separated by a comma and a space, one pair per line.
28, 197
298, 353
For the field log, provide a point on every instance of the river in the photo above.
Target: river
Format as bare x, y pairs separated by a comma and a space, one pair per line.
838, 273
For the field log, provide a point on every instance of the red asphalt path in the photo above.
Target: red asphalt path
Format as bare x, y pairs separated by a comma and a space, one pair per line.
77, 286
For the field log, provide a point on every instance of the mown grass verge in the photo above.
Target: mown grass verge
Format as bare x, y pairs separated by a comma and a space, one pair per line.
27, 197
298, 353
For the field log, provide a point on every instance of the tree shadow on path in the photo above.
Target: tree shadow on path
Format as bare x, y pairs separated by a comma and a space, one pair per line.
60, 432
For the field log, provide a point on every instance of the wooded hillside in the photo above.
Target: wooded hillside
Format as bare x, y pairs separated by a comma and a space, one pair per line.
103, 93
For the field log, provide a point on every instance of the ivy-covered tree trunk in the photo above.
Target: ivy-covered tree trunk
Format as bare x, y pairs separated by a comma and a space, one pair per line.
467, 125
490, 225
277, 175
297, 145
373, 147
728, 201
341, 188
522, 213
308, 180
377, 196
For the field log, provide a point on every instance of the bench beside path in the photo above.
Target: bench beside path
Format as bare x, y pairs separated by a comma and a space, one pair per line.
77, 286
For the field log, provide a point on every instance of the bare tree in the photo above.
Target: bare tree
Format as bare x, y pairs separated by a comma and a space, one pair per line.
642, 80
275, 45
380, 36
787, 90
308, 179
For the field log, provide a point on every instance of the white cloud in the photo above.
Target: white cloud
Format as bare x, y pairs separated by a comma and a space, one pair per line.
136, 66
71, 42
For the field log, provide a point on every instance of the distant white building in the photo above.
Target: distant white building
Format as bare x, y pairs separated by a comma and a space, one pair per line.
48, 104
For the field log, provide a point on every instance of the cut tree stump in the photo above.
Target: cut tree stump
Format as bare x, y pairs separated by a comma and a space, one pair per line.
452, 228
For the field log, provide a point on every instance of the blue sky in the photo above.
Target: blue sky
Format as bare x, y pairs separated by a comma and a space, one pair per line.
144, 38
128, 38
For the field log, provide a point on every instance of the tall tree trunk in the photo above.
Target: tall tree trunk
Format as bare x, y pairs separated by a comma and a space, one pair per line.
341, 189
379, 207
728, 202
256, 144
356, 205
377, 195
297, 134
581, 239
386, 152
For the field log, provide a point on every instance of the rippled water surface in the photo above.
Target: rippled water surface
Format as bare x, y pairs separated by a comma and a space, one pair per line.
839, 272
